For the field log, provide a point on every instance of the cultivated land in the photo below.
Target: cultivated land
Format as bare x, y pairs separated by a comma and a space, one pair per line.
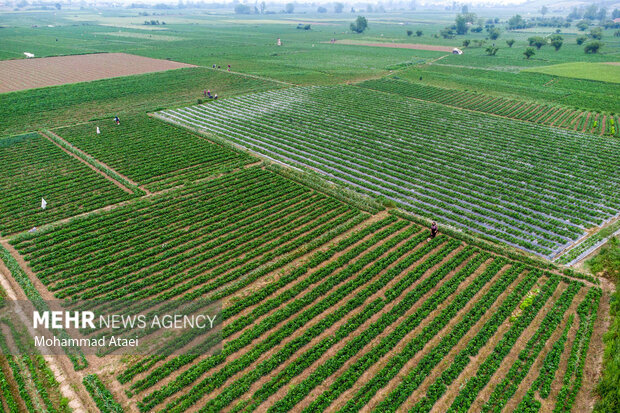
300, 200
51, 71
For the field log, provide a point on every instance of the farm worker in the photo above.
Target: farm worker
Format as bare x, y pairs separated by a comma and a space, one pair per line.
117, 120
433, 230
214, 66
98, 131
215, 97
204, 93
229, 68
209, 94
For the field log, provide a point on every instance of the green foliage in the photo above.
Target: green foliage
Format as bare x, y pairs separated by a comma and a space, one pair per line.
491, 50
101, 395
537, 41
409, 33
418, 33
516, 22
556, 41
510, 42
35, 168
593, 47
529, 52
494, 33
360, 25
581, 39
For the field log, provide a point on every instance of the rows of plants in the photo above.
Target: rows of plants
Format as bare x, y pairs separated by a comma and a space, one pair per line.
309, 274
152, 153
546, 376
544, 114
101, 395
571, 382
580, 94
351, 330
42, 387
33, 169
494, 178
171, 246
311, 304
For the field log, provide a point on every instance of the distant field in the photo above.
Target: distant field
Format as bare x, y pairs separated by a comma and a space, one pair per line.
23, 74
604, 72
434, 48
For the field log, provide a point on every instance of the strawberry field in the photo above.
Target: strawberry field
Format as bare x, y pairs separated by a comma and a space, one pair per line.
152, 153
544, 114
530, 186
34, 168
325, 307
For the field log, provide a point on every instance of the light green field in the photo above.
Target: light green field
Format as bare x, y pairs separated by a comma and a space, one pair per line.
602, 72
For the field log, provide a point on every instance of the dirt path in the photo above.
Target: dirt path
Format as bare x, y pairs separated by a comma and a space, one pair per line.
94, 159
97, 171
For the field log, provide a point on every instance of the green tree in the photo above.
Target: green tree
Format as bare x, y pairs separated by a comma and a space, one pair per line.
510, 42
338, 7
582, 25
544, 10
494, 33
581, 39
418, 33
537, 41
289, 8
242, 9
516, 22
529, 52
409, 33
596, 33
321, 9
359, 25
556, 41
593, 47
466, 43
461, 24
491, 50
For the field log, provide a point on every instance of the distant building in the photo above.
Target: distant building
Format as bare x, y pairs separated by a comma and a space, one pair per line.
457, 51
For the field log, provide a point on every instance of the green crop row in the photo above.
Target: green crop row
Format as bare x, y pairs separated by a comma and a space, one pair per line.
101, 395
544, 114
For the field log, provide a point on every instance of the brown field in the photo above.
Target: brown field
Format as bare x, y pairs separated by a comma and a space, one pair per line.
23, 74
431, 47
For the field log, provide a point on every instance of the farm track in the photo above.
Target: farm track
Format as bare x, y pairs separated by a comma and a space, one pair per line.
109, 178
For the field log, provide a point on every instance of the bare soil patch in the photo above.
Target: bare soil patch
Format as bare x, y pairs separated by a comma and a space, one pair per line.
21, 74
400, 45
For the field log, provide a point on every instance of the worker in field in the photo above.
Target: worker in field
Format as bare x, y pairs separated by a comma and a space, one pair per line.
229, 68
209, 94
433, 230
117, 120
204, 93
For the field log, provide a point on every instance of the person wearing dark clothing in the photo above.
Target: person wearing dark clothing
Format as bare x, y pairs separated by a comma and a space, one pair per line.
117, 120
433, 230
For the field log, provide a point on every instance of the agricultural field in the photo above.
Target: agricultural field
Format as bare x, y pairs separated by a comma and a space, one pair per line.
604, 72
544, 114
510, 181
299, 206
151, 153
333, 327
34, 168
51, 71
